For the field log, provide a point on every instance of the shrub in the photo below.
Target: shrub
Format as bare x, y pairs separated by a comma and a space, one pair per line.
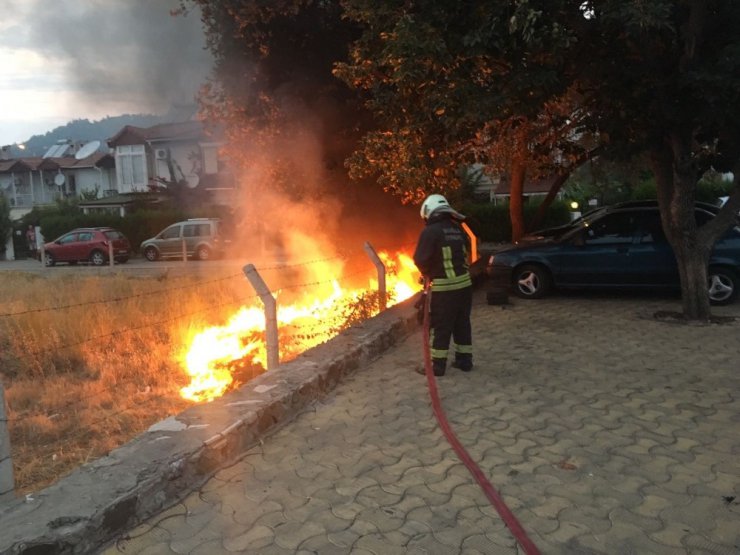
491, 222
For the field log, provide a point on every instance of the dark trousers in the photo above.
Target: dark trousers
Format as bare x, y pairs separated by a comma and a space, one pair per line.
450, 318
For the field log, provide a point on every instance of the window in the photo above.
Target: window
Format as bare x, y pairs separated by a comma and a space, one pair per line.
131, 167
113, 235
86, 236
651, 229
618, 227
210, 158
69, 238
171, 232
196, 230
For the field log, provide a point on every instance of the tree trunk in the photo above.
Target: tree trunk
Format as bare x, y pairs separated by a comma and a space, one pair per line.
676, 177
516, 199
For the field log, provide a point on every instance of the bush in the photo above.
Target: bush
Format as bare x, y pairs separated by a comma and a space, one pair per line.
491, 222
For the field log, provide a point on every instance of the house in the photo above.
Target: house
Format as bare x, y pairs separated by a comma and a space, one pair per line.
38, 181
169, 155
532, 188
497, 189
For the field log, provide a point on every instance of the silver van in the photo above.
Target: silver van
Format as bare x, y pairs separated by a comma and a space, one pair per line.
199, 238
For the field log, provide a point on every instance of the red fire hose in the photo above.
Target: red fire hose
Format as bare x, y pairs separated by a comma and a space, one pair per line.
504, 512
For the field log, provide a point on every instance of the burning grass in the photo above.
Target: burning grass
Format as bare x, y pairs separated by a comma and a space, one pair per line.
119, 353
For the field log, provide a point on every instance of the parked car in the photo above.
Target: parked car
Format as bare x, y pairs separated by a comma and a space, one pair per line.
203, 239
620, 246
87, 244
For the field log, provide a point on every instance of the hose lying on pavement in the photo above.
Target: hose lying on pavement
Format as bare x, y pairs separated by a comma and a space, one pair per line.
504, 512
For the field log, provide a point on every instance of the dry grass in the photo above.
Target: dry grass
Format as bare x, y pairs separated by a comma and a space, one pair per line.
82, 380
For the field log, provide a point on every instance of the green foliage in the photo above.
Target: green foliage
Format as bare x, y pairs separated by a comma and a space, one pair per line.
712, 186
492, 222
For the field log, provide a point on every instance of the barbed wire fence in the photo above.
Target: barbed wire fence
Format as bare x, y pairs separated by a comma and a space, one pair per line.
272, 337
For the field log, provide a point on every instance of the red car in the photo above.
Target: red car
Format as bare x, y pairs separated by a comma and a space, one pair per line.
88, 244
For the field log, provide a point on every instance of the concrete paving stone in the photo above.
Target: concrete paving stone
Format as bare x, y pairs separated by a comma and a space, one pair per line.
595, 518
275, 549
565, 532
363, 527
291, 534
246, 512
533, 525
187, 540
429, 545
352, 486
448, 483
606, 545
344, 539
377, 496
347, 511
681, 456
139, 540
252, 539
483, 544
211, 547
696, 544
653, 469
431, 497
648, 524
321, 545
312, 506
329, 494
672, 534
384, 520
701, 513
273, 520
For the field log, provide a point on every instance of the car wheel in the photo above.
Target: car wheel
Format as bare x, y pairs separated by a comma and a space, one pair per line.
203, 253
151, 254
723, 284
97, 258
531, 281
49, 260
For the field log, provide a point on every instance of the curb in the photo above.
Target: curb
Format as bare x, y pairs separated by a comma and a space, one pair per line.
100, 500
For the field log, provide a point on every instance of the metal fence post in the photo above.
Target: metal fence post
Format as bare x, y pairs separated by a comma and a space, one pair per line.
271, 328
6, 463
111, 261
380, 267
43, 256
184, 251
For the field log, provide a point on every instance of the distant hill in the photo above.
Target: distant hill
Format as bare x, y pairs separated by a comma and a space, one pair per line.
83, 130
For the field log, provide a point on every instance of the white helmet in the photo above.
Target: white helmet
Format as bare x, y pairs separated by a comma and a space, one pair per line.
433, 203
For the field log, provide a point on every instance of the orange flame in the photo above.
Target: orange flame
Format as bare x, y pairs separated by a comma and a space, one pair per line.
324, 310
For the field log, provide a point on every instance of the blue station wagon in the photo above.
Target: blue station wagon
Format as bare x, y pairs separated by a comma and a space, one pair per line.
621, 246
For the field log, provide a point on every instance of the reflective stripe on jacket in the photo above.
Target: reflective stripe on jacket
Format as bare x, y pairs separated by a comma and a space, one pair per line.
442, 253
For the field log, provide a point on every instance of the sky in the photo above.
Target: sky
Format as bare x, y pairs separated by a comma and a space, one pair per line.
88, 59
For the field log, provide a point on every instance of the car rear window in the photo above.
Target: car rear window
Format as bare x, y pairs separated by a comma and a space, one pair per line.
113, 235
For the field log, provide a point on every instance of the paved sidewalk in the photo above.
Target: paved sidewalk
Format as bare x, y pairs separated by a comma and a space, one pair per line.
604, 431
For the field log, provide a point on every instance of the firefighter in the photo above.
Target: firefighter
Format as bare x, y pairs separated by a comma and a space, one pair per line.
442, 256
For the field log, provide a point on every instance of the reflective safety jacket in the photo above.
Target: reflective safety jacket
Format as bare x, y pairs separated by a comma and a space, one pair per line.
442, 253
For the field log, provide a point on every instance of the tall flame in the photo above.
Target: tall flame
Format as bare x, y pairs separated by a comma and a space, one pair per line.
323, 310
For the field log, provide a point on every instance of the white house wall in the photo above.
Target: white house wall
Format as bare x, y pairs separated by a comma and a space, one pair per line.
186, 156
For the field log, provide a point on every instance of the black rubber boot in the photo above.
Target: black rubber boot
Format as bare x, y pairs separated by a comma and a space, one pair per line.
439, 367
464, 364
